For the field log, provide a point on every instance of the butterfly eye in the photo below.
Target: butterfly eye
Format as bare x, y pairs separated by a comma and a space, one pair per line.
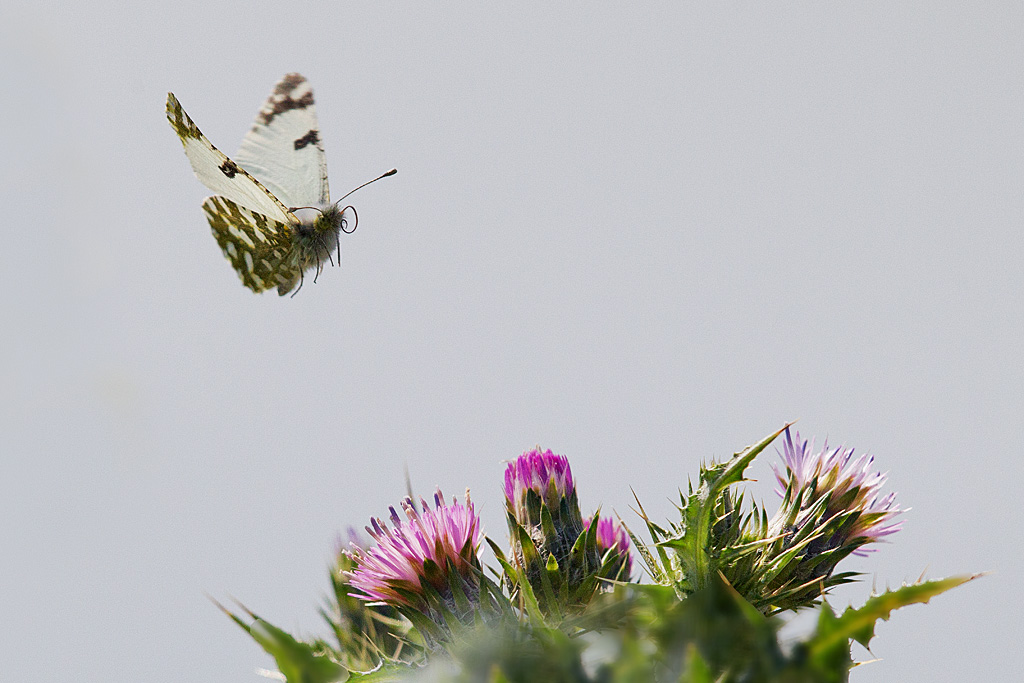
349, 219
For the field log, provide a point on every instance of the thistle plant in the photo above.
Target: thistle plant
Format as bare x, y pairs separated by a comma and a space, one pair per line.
416, 602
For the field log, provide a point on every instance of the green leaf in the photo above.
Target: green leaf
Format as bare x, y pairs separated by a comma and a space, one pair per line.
694, 544
298, 661
697, 670
734, 469
659, 571
859, 623
730, 634
499, 554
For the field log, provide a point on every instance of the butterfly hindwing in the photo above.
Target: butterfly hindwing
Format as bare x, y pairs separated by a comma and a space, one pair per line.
219, 173
260, 249
284, 149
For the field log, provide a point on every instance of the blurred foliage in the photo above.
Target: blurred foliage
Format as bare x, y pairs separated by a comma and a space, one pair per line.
636, 633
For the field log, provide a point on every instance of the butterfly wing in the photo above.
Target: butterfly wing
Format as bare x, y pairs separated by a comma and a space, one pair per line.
283, 147
260, 249
219, 173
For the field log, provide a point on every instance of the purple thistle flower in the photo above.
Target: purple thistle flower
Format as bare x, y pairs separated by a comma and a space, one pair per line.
612, 535
850, 483
545, 525
537, 481
418, 552
538, 472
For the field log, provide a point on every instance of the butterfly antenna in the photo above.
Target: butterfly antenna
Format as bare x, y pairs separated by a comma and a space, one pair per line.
385, 175
344, 223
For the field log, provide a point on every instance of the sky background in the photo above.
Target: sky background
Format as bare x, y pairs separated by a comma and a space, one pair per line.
638, 236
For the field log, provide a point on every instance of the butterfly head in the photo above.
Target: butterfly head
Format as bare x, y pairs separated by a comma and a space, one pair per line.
317, 230
324, 220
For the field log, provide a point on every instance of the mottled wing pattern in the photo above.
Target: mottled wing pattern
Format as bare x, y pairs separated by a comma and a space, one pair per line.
219, 173
283, 148
259, 248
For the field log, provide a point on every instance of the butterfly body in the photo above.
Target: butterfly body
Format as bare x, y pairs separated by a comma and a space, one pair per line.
271, 214
316, 239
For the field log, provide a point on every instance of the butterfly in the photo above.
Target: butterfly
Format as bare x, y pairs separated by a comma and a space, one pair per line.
279, 171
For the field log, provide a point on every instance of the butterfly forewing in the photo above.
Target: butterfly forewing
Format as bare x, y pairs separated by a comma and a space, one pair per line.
218, 172
259, 248
283, 148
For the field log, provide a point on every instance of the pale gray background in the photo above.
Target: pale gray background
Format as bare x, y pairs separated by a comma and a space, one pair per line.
640, 237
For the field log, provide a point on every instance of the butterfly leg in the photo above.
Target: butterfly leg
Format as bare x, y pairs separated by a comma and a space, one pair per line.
302, 279
330, 256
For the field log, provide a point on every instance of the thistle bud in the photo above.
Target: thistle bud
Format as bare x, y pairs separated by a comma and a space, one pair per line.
613, 546
548, 540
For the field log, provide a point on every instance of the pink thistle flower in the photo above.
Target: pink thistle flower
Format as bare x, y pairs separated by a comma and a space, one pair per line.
612, 535
537, 481
424, 552
849, 482
546, 474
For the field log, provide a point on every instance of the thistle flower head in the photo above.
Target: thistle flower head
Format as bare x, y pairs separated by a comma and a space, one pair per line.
849, 483
546, 474
419, 557
539, 486
611, 535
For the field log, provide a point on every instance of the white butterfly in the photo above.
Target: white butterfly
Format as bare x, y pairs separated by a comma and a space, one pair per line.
254, 220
